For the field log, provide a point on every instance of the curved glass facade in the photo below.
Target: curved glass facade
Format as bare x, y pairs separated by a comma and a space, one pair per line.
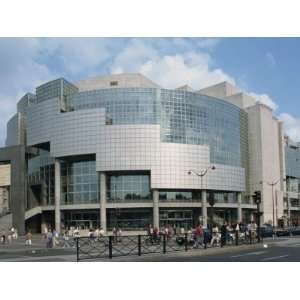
184, 117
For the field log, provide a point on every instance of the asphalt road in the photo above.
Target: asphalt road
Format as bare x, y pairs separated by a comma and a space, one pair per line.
280, 250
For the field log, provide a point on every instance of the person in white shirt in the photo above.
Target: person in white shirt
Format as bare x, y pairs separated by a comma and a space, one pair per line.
215, 236
101, 232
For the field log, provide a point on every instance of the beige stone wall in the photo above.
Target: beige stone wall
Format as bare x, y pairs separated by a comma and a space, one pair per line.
120, 80
265, 159
4, 175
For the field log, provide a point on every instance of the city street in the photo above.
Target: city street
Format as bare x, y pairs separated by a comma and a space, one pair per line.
279, 250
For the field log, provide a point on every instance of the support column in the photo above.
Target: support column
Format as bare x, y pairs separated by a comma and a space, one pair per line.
103, 201
289, 210
43, 224
155, 209
57, 195
239, 209
204, 208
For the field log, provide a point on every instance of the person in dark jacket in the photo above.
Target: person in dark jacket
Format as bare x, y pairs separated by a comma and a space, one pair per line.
223, 234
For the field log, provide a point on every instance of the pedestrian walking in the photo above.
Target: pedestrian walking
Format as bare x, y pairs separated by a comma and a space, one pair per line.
16, 234
28, 239
3, 237
101, 232
215, 236
114, 231
66, 239
49, 243
119, 235
223, 234
199, 236
9, 237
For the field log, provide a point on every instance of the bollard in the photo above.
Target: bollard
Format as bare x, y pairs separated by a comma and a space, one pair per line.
185, 242
164, 244
250, 237
139, 246
110, 247
236, 238
258, 235
77, 249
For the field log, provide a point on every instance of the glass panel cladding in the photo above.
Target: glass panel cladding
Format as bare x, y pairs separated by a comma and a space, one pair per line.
58, 88
292, 161
225, 197
24, 102
292, 184
129, 219
81, 219
179, 196
128, 188
41, 173
79, 184
184, 117
176, 218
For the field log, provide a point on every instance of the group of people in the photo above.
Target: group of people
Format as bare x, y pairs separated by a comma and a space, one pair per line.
8, 237
214, 236
227, 233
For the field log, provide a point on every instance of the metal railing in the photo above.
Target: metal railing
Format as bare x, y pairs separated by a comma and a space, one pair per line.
88, 248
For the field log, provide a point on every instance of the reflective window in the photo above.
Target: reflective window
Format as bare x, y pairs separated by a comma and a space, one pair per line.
41, 173
225, 197
184, 117
81, 219
292, 161
179, 196
129, 219
79, 182
128, 188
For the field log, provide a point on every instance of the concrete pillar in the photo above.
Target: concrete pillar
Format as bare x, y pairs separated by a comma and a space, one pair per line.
57, 195
103, 201
204, 208
289, 210
239, 209
43, 224
155, 208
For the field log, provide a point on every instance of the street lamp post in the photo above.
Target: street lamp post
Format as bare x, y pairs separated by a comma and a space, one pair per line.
257, 200
272, 184
201, 174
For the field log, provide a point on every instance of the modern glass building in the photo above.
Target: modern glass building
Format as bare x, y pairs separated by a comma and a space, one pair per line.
118, 151
292, 196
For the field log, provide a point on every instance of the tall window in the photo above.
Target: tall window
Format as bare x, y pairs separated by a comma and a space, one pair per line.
128, 188
79, 182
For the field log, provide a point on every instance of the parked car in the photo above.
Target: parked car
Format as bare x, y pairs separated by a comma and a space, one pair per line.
266, 231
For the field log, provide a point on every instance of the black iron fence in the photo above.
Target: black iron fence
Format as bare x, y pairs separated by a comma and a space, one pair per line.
111, 246
88, 248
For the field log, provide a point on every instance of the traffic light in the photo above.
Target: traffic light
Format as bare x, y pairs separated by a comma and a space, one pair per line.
257, 197
211, 199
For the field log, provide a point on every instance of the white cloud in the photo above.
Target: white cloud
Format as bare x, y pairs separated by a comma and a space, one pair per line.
291, 126
194, 68
79, 55
264, 99
208, 43
271, 59
20, 73
133, 56
188, 68
171, 62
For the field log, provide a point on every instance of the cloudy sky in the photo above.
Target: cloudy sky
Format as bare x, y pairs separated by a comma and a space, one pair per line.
266, 68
